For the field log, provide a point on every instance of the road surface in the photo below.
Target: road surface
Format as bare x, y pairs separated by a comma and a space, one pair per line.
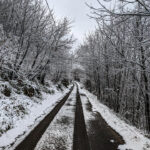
78, 132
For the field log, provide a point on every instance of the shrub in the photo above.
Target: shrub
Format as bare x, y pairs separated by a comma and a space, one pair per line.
29, 91
65, 82
59, 87
6, 91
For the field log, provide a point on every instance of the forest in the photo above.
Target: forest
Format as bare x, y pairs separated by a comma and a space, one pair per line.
116, 58
75, 94
33, 43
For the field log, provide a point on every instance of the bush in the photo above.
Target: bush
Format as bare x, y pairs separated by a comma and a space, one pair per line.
59, 87
6, 91
29, 91
20, 110
65, 82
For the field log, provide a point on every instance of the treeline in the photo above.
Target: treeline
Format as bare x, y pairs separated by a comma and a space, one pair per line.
116, 58
33, 44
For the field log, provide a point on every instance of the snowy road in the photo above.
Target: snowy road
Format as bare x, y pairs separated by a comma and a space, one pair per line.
73, 124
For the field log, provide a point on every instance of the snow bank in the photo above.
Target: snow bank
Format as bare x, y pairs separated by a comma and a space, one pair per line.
21, 125
132, 136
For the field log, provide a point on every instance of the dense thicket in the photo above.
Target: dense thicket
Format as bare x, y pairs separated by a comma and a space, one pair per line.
116, 58
33, 44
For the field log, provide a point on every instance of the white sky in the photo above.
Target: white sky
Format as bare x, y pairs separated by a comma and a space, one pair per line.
77, 11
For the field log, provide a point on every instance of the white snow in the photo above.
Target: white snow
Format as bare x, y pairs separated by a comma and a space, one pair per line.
36, 111
134, 139
112, 141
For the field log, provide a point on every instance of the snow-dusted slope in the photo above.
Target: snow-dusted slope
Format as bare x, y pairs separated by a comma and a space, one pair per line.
21, 114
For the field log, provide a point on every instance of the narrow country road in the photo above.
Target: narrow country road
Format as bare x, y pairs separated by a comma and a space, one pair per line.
68, 127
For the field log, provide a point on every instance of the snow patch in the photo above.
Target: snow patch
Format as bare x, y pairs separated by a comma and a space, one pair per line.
112, 141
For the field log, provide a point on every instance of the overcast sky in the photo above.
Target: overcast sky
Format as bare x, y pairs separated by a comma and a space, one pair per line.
77, 11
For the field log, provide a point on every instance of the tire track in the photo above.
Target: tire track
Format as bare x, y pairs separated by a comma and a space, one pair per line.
32, 139
80, 141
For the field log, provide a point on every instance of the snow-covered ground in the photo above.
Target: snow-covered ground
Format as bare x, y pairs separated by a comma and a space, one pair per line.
134, 139
59, 135
19, 123
87, 114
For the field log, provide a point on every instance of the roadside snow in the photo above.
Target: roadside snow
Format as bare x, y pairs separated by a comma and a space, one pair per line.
87, 114
133, 138
59, 135
21, 126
